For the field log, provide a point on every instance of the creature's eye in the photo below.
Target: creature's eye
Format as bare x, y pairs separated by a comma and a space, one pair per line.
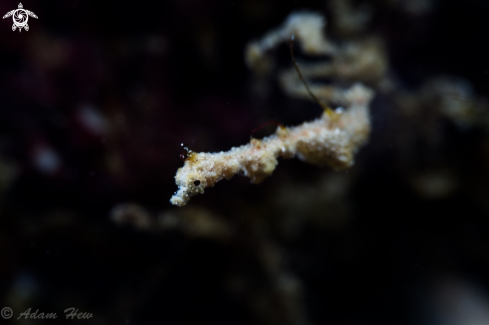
197, 183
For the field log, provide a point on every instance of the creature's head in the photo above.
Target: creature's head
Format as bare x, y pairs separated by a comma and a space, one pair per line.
190, 179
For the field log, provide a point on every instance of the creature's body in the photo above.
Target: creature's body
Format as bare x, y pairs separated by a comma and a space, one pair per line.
20, 17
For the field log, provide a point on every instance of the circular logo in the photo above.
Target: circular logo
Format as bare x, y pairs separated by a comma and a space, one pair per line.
6, 312
20, 17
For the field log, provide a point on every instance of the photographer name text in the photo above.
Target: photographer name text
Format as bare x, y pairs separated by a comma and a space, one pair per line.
69, 313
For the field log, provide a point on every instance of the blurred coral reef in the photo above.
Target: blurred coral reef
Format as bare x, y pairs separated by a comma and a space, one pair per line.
97, 98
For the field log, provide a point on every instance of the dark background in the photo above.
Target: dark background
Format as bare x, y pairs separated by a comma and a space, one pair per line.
148, 76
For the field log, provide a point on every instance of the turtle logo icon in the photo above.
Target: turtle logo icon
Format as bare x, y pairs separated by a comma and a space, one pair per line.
20, 16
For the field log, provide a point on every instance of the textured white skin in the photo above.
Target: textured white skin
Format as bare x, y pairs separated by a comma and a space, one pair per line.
330, 140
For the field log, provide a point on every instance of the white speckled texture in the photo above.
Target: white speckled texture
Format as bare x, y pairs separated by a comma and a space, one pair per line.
330, 140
